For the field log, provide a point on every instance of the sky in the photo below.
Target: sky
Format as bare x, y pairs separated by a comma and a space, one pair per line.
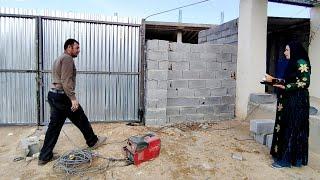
207, 12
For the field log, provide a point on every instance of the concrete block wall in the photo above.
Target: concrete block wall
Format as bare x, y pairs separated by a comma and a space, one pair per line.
226, 33
189, 82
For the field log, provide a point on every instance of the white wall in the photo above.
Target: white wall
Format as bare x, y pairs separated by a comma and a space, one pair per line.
252, 45
314, 50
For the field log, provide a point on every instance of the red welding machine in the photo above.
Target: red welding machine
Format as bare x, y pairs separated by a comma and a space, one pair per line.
142, 148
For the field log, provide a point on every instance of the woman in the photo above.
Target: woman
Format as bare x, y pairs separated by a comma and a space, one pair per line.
291, 130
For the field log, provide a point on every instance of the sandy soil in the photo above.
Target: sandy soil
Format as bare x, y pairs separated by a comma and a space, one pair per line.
191, 151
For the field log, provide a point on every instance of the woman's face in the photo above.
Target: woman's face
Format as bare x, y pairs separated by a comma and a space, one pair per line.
287, 52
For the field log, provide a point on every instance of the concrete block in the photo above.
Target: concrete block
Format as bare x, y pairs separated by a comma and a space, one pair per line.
151, 103
174, 75
207, 75
269, 140
234, 58
213, 83
210, 100
202, 92
155, 55
179, 47
179, 84
155, 113
163, 85
158, 122
219, 91
152, 65
228, 83
182, 65
157, 75
188, 110
226, 116
183, 101
213, 66
211, 117
163, 65
228, 100
196, 65
172, 93
152, 45
157, 94
175, 119
194, 56
205, 109
177, 56
184, 92
195, 117
262, 98
230, 66
152, 84
221, 108
173, 111
163, 45
223, 74
208, 56
190, 74
197, 84
262, 126
231, 91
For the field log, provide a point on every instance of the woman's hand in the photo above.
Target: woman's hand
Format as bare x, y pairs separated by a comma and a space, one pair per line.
268, 78
279, 86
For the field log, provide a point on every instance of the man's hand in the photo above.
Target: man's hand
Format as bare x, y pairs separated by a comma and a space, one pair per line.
279, 86
268, 78
75, 105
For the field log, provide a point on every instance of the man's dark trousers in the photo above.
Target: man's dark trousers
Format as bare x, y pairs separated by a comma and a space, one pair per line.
60, 109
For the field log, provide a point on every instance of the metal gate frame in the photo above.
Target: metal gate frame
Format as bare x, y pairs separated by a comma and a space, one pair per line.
40, 94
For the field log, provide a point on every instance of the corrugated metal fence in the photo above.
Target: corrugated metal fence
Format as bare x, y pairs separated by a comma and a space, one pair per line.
108, 64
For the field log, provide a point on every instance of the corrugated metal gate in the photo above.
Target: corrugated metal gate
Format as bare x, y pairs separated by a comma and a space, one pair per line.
108, 67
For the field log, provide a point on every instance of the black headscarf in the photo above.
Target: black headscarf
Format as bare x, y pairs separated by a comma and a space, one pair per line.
297, 52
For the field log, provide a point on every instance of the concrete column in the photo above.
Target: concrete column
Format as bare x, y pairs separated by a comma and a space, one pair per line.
252, 45
314, 48
179, 36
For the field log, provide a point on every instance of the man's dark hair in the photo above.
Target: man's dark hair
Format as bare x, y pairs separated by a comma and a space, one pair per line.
70, 42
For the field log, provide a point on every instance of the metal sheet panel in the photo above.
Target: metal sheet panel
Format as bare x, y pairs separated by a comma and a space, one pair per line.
18, 96
18, 43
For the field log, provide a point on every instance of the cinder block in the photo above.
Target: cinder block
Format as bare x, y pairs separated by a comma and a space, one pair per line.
210, 100
194, 56
196, 65
226, 116
173, 111
221, 108
157, 56
228, 100
219, 91
188, 110
163, 45
202, 92
163, 85
179, 84
152, 65
228, 83
231, 91
262, 126
213, 66
152, 45
183, 101
179, 47
174, 75
197, 84
177, 56
208, 56
158, 122
157, 75
230, 66
213, 83
195, 117
163, 65
175, 119
172, 93
205, 109
269, 140
211, 117
184, 92
223, 74
152, 84
262, 98
207, 75
190, 74
182, 65
155, 113
157, 94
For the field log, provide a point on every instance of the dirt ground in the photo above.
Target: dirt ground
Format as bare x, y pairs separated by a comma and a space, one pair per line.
188, 151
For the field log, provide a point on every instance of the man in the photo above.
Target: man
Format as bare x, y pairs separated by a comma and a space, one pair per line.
64, 104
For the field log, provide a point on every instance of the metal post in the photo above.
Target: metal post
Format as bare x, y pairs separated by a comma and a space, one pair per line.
142, 72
